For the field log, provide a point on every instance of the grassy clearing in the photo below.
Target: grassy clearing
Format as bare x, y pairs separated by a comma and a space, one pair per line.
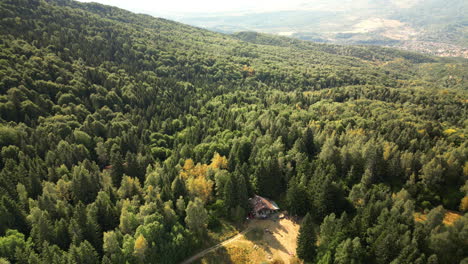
268, 241
255, 234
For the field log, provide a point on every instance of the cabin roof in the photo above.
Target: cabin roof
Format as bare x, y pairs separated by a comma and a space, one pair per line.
259, 203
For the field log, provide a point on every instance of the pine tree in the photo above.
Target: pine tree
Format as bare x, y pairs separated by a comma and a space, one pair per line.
296, 198
178, 187
117, 170
84, 253
309, 144
105, 212
242, 192
306, 240
230, 193
269, 178
11, 216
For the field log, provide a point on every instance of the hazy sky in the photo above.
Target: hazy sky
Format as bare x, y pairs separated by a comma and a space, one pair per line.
172, 7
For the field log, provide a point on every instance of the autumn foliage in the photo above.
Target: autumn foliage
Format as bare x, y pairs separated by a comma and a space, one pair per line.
196, 176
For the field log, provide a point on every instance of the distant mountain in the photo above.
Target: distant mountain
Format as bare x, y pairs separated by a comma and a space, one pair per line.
430, 26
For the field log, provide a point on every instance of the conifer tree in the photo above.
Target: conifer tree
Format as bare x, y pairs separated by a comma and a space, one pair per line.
306, 240
117, 170
308, 141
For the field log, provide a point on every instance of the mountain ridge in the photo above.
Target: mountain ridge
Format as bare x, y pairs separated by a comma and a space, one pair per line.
430, 26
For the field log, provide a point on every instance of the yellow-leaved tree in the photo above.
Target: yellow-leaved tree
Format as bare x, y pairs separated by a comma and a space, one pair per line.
196, 176
218, 162
464, 204
141, 245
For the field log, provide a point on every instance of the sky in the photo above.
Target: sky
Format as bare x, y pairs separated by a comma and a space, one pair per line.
187, 7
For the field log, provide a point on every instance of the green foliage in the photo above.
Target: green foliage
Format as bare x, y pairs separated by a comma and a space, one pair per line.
12, 241
349, 252
297, 198
8, 136
117, 128
306, 240
197, 217
84, 253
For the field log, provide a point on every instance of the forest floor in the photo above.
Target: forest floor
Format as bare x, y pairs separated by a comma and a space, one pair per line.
263, 241
449, 218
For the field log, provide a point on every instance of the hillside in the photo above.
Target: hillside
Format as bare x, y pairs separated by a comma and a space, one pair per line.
429, 26
126, 138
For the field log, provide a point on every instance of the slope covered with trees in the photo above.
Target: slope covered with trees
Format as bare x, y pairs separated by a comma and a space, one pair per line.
126, 138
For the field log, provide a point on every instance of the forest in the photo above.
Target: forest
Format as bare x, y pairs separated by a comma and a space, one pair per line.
126, 138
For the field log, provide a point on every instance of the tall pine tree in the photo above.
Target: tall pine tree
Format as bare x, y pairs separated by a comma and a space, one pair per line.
306, 240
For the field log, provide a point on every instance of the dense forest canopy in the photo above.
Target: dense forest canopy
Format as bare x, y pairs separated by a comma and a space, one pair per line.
131, 139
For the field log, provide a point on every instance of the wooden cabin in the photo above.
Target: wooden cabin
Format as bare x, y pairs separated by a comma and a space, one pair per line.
262, 207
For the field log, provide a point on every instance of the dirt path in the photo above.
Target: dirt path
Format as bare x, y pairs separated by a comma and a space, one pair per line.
208, 250
277, 240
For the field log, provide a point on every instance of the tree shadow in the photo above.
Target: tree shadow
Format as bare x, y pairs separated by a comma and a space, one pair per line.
273, 242
256, 234
275, 228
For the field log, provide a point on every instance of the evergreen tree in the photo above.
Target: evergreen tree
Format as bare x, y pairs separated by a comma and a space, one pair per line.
269, 178
349, 252
84, 253
117, 170
105, 212
11, 216
242, 191
309, 144
297, 198
306, 240
230, 193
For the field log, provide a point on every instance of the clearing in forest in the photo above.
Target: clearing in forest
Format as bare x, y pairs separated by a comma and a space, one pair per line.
266, 241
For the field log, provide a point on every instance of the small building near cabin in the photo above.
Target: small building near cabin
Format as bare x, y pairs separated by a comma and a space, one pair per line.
262, 207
